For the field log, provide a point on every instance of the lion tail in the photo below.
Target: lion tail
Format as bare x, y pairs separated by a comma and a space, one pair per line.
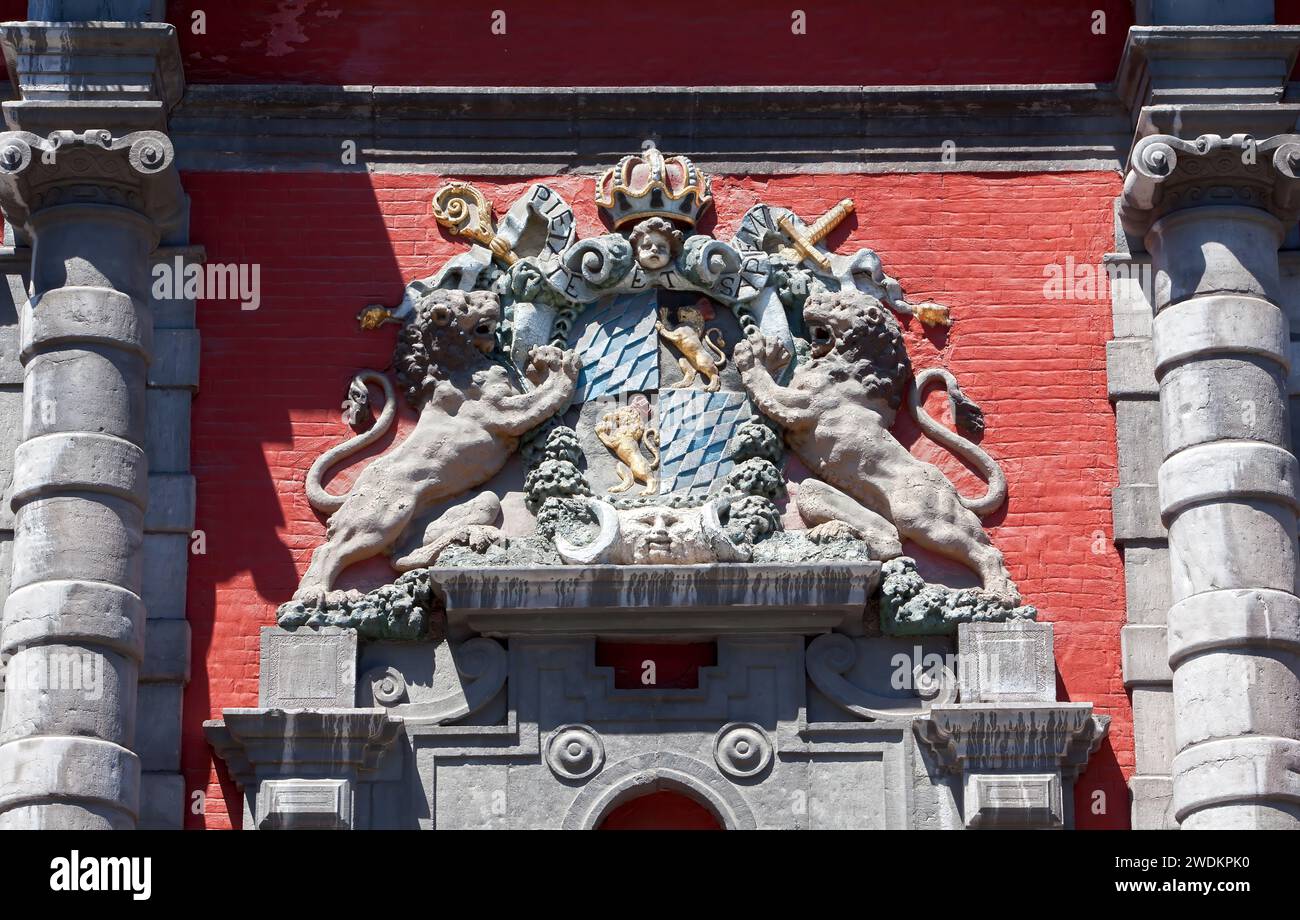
713, 339
326, 502
970, 420
651, 441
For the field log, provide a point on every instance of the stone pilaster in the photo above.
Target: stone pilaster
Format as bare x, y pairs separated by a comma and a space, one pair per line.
1212, 213
94, 207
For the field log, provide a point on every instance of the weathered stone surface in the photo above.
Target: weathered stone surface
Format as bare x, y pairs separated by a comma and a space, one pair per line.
910, 607
308, 668
401, 610
648, 600
1006, 662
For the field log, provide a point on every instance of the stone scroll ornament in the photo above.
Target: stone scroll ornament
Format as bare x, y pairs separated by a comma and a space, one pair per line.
652, 378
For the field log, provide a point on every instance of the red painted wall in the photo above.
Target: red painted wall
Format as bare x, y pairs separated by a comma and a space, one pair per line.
665, 43
272, 380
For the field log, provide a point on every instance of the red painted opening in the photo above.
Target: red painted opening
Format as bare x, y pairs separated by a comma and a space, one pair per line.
656, 666
661, 811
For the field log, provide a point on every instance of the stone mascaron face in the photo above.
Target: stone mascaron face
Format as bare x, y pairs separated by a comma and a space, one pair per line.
664, 536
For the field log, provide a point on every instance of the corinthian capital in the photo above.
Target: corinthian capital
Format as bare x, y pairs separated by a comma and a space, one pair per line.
135, 171
1168, 174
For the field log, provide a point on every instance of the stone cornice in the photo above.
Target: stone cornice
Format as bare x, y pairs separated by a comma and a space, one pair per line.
289, 742
1164, 65
127, 75
1013, 737
530, 130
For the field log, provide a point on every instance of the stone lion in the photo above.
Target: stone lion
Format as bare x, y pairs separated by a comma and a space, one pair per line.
472, 413
836, 413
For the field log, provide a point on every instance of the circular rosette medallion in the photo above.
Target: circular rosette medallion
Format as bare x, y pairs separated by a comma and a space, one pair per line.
742, 750
575, 752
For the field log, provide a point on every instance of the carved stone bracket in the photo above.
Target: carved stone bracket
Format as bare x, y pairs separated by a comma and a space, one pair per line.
134, 171
831, 658
1014, 759
1168, 173
300, 767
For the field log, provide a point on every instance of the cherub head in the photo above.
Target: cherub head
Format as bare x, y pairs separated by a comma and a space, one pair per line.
656, 243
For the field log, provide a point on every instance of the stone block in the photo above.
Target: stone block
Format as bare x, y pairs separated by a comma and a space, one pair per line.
1146, 655
304, 804
1147, 585
1153, 798
162, 802
308, 669
175, 361
158, 728
1006, 662
167, 439
166, 652
166, 556
1130, 368
1153, 729
1014, 800
1136, 512
171, 503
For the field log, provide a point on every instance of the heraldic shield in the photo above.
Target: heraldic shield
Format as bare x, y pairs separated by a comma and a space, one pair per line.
650, 395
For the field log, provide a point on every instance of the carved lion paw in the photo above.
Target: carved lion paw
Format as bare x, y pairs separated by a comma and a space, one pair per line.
544, 360
834, 530
478, 537
747, 350
777, 356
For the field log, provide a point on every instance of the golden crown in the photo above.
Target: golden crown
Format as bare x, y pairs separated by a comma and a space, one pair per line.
649, 184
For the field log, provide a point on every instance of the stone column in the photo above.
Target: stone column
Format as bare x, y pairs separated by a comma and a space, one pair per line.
1212, 213
92, 206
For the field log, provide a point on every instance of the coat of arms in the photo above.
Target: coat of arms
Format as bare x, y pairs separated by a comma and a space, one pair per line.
629, 399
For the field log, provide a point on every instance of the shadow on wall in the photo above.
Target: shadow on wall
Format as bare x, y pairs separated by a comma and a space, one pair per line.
272, 380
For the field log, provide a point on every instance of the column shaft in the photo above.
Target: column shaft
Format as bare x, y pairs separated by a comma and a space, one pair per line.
1228, 498
74, 620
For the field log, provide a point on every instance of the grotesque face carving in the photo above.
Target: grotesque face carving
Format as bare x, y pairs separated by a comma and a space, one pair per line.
663, 536
654, 535
656, 243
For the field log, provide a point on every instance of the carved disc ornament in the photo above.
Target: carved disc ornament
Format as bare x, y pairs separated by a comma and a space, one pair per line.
575, 752
742, 750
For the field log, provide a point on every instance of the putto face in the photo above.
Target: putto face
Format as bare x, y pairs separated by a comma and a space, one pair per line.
654, 251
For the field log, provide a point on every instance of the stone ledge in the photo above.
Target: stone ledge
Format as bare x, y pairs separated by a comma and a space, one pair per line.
656, 600
474, 130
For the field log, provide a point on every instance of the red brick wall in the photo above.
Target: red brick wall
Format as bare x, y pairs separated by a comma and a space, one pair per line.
668, 42
272, 380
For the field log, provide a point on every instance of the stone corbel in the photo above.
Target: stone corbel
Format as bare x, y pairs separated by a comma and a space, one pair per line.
1016, 761
300, 768
1016, 751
